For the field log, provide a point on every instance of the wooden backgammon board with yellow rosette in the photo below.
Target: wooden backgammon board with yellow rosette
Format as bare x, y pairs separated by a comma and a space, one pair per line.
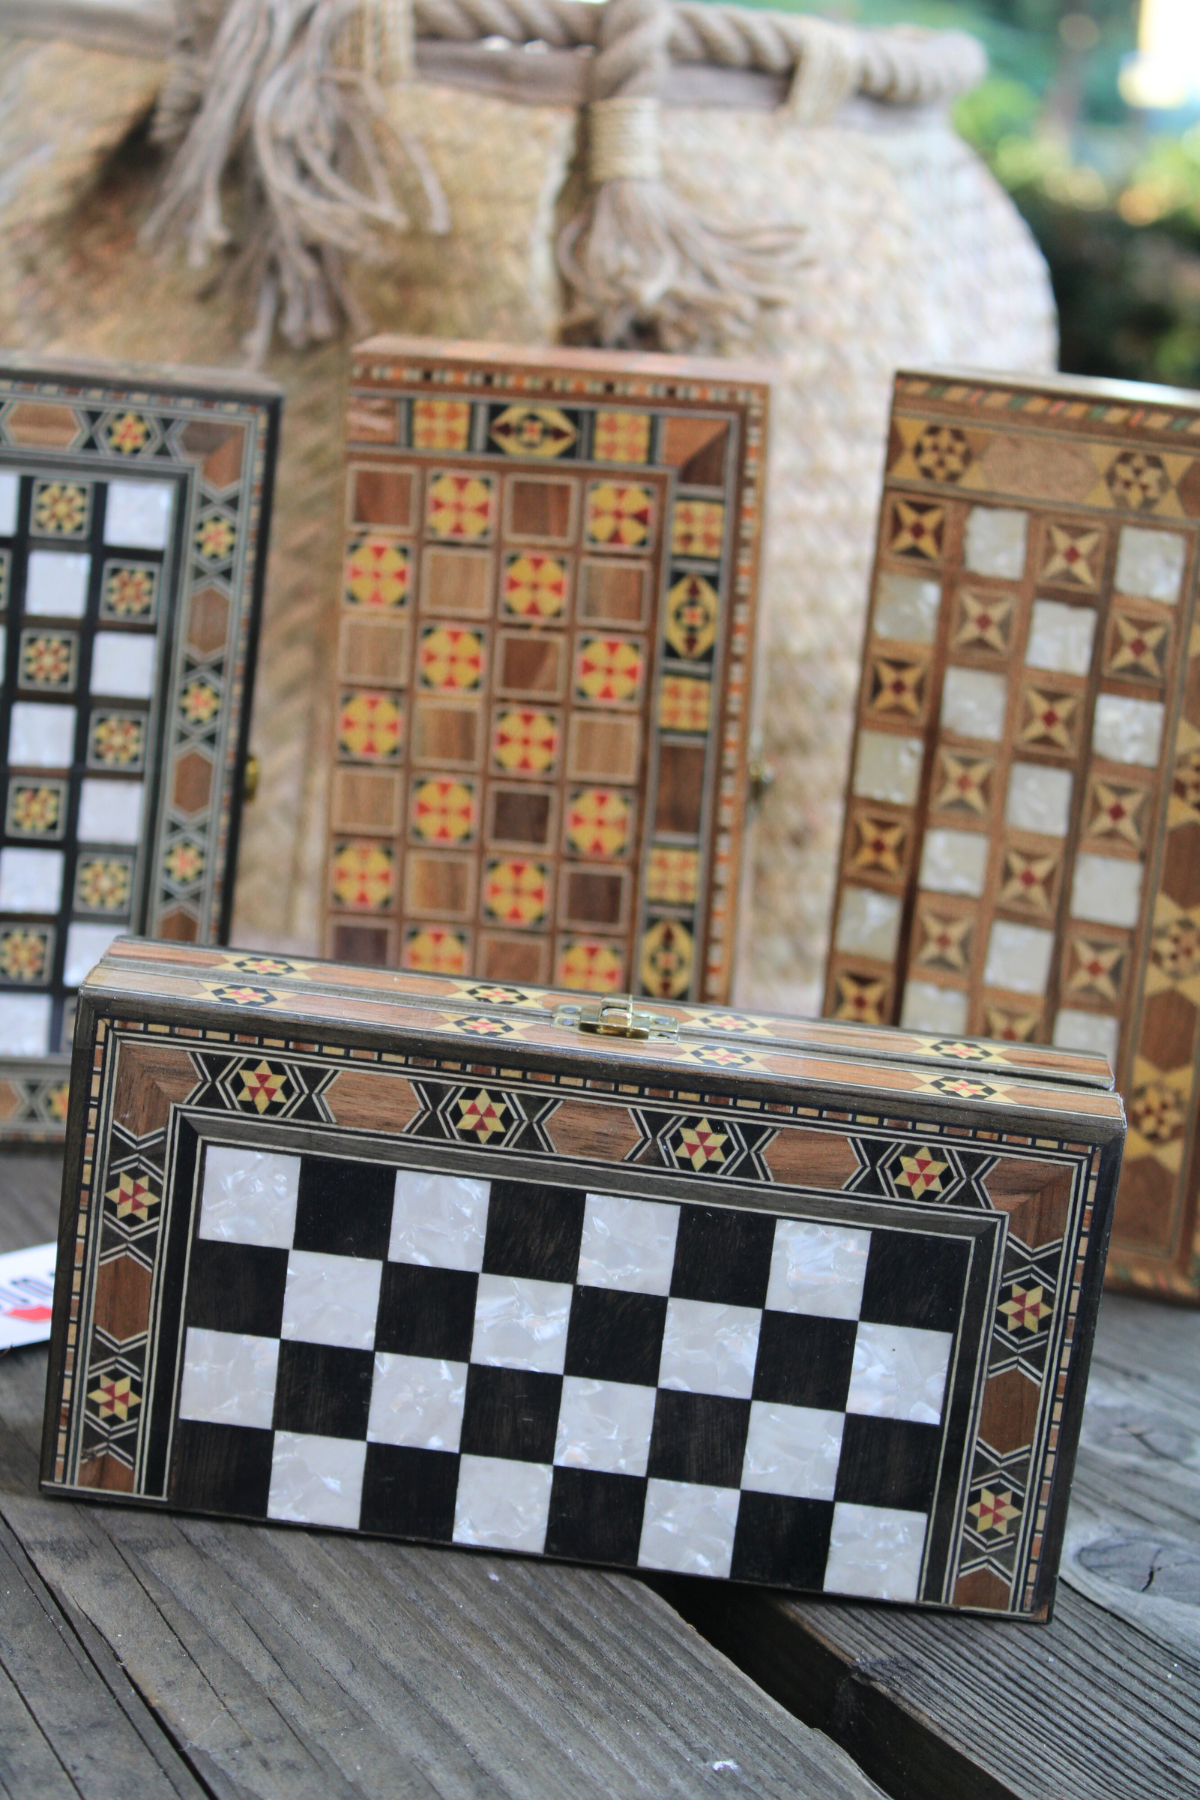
545, 659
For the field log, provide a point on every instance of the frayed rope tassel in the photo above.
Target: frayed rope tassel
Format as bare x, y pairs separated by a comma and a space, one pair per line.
639, 260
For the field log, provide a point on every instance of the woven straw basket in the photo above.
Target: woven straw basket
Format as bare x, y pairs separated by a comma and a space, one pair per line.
912, 256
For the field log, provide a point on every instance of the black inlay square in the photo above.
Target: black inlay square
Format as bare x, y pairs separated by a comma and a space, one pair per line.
221, 1468
596, 1517
409, 1493
511, 1413
723, 1254
323, 1389
781, 1540
888, 1462
699, 1437
804, 1361
914, 1278
344, 1208
426, 1312
615, 1336
236, 1287
533, 1230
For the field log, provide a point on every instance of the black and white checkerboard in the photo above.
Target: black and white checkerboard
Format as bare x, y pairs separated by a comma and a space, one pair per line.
508, 1364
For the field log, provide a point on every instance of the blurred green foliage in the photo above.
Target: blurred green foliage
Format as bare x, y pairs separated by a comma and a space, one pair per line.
1112, 195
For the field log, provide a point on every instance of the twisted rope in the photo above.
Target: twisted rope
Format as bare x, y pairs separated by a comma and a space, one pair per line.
267, 86
901, 65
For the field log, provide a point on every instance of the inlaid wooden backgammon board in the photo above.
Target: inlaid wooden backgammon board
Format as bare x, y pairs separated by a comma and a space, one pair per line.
133, 515
1022, 843
544, 674
678, 1289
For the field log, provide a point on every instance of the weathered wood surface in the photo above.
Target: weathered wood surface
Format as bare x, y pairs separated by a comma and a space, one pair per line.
148, 1655
1102, 1704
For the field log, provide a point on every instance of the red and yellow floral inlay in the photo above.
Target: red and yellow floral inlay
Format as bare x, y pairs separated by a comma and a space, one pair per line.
441, 424
673, 875
598, 822
443, 812
362, 876
433, 951
535, 586
369, 727
450, 658
460, 506
516, 892
526, 742
591, 967
377, 573
698, 528
684, 704
617, 514
608, 670
622, 437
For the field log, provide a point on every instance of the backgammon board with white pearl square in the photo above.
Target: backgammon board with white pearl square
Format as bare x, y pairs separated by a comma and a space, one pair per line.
1021, 856
133, 516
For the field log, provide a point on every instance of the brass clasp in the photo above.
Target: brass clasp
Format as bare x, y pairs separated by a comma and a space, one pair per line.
617, 1018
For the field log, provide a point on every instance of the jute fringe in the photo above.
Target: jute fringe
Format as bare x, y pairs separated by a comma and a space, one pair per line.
288, 93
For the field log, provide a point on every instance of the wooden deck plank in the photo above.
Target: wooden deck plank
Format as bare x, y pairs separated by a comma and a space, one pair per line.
27, 1763
1104, 1703
324, 1667
30, 1189
107, 1753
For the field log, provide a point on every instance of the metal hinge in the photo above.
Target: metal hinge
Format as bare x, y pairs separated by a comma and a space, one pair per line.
617, 1018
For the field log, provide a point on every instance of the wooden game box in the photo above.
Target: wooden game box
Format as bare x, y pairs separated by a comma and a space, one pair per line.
785, 1302
544, 676
1021, 854
134, 509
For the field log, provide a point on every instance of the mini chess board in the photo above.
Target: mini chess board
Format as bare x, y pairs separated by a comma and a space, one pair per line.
1021, 856
531, 1367
132, 518
544, 676
763, 1299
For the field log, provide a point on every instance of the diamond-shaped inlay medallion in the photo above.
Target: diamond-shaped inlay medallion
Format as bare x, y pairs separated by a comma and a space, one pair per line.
1137, 648
1114, 810
1094, 966
916, 530
860, 997
943, 940
1049, 718
1072, 557
1012, 1025
984, 622
879, 844
1027, 882
897, 688
961, 783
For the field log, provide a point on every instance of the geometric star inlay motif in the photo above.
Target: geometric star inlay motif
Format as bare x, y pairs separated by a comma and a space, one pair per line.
1116, 811
984, 619
960, 782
